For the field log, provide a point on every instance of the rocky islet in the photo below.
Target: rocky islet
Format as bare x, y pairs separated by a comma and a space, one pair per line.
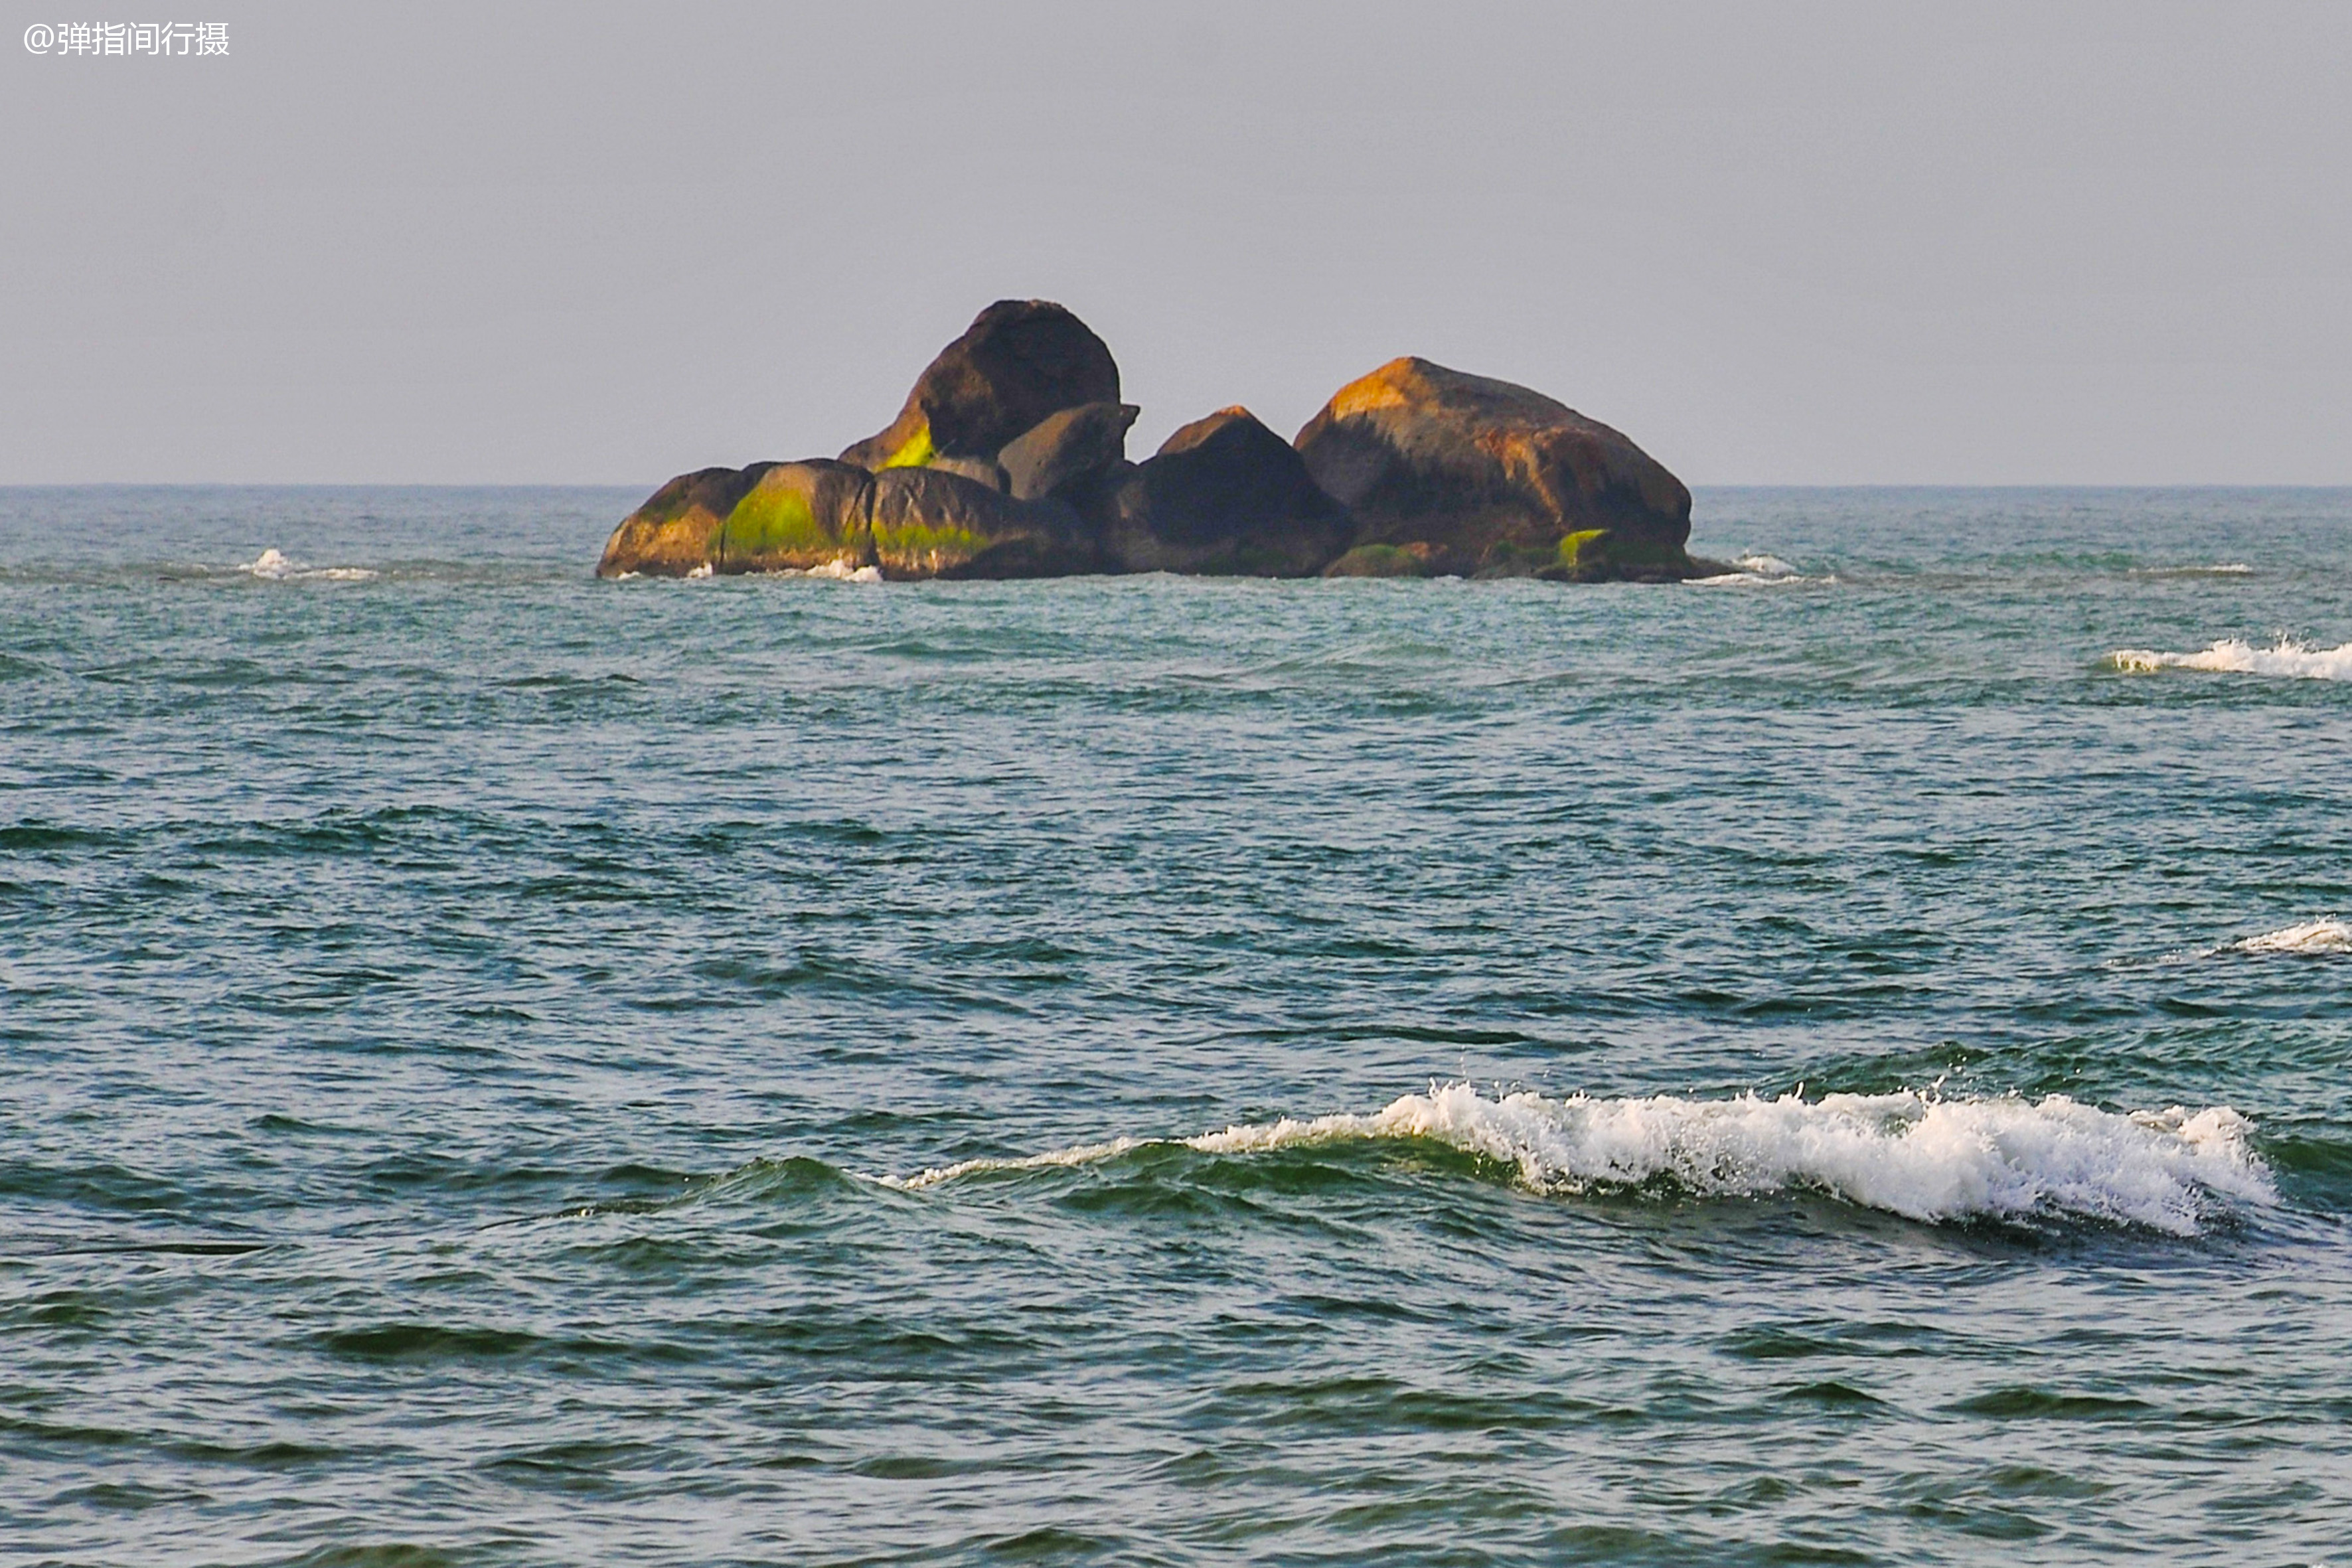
1008, 459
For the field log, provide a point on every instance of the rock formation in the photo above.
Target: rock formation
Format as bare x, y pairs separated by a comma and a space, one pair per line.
1018, 362
1063, 452
1495, 479
1009, 460
769, 516
1226, 496
926, 522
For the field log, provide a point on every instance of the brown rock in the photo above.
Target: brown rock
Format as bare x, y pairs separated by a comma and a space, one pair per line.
676, 531
1495, 479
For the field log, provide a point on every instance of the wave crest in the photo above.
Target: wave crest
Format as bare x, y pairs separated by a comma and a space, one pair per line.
2235, 655
1916, 1155
273, 565
2326, 934
1755, 566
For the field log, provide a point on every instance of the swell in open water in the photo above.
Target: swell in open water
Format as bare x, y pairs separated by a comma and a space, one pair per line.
1847, 1063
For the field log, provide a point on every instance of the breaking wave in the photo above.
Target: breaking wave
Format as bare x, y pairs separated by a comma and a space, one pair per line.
275, 566
1913, 1154
842, 571
2235, 655
1756, 567
2326, 934
2218, 569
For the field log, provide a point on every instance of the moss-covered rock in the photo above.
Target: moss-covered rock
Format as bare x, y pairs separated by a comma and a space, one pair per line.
1496, 479
927, 524
768, 516
1020, 361
798, 517
1383, 561
1224, 495
1009, 460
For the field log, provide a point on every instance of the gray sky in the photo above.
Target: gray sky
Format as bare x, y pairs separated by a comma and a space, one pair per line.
2044, 243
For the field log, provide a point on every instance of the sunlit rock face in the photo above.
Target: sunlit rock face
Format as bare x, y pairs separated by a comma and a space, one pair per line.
769, 516
1018, 362
1009, 460
1469, 475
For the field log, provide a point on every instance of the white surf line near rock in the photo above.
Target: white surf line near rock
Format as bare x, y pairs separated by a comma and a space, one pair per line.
1918, 1155
2234, 656
2326, 935
273, 565
1756, 567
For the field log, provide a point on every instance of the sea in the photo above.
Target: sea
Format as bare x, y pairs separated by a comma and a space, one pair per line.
1849, 1062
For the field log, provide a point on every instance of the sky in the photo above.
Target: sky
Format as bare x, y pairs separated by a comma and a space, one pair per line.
501, 242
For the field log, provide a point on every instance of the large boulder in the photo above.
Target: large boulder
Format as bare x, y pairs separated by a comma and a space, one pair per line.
769, 516
1495, 479
926, 522
1066, 453
799, 517
676, 531
1020, 361
1224, 495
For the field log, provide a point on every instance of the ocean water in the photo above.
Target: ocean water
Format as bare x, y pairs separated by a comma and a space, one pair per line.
1851, 1063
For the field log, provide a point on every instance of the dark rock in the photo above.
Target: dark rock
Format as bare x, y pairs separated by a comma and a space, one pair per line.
1224, 495
1020, 361
676, 531
1064, 451
979, 470
929, 523
1496, 479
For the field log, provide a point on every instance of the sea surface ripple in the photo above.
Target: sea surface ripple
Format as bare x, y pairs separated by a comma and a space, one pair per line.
1846, 1064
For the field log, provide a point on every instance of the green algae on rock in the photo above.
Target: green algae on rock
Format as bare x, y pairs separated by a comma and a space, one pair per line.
768, 516
1009, 460
804, 516
1382, 560
926, 522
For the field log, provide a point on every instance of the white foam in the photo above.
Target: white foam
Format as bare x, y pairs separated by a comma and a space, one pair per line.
1918, 1155
841, 571
2326, 934
2220, 569
1757, 567
1077, 1154
703, 570
275, 566
2237, 656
